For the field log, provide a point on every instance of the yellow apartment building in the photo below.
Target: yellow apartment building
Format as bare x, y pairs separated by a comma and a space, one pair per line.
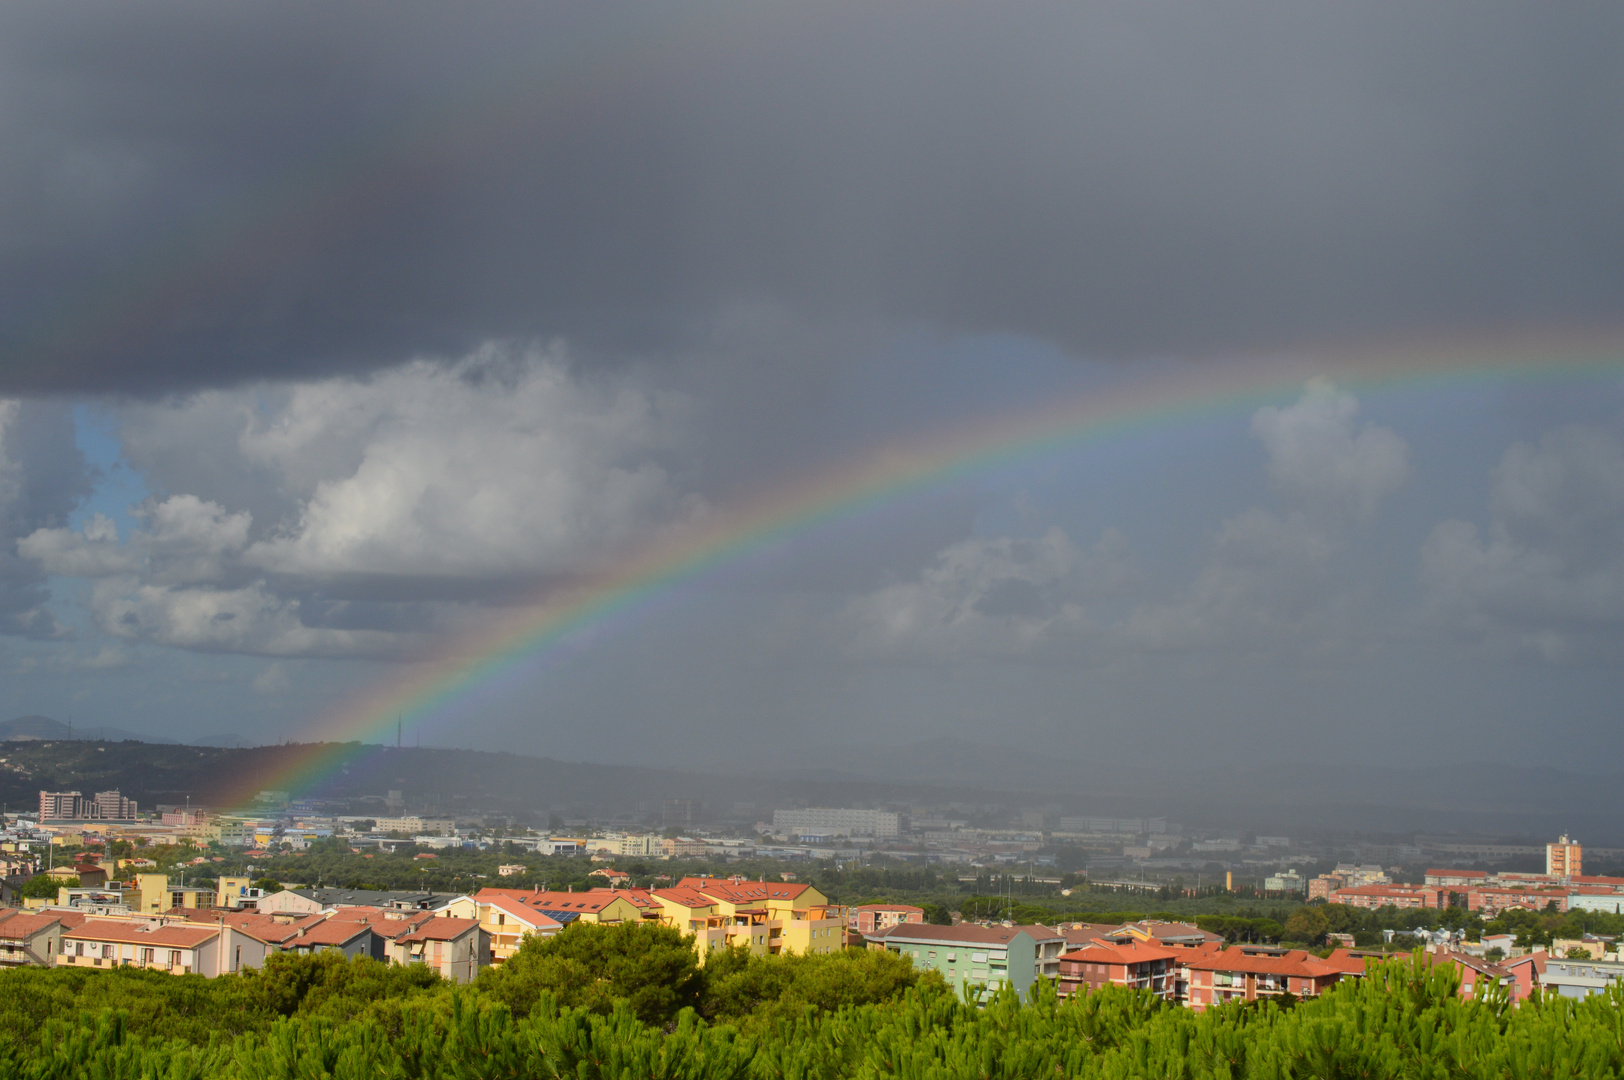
799, 917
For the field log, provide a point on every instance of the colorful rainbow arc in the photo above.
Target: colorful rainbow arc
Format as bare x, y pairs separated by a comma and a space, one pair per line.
1174, 394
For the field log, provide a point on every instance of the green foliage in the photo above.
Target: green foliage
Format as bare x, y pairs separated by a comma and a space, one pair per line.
268, 885
652, 969
756, 992
808, 1018
44, 887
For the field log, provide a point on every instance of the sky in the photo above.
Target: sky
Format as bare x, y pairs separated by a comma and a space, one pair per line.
332, 337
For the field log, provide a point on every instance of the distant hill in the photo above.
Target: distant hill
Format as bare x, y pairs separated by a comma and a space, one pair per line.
43, 728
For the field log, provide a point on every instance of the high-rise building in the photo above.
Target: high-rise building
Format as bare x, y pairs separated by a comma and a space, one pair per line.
1564, 858
112, 806
59, 805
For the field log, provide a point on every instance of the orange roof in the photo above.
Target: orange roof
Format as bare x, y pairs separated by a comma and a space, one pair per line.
743, 892
328, 932
440, 928
528, 916
1131, 952
24, 926
589, 902
688, 898
1348, 962
963, 933
123, 931
1295, 962
635, 897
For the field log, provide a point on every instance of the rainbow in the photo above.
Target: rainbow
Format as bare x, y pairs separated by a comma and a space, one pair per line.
1170, 395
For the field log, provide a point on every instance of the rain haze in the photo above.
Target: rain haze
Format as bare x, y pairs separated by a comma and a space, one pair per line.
331, 335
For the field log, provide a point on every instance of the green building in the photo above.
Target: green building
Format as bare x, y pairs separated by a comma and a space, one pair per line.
972, 955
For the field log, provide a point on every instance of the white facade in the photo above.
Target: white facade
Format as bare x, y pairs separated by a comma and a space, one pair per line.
821, 821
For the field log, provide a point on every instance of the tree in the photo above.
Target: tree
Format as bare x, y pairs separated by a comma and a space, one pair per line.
937, 914
1306, 925
268, 885
654, 969
44, 887
1578, 952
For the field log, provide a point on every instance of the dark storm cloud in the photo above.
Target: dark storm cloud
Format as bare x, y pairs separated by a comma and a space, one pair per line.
206, 193
42, 478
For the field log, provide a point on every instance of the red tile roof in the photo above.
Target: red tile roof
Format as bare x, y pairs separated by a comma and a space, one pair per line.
182, 937
589, 902
743, 892
1295, 962
19, 927
440, 928
531, 918
1132, 952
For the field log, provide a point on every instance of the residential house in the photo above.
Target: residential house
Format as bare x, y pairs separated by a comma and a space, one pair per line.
971, 955
693, 912
456, 948
1475, 972
178, 948
1133, 964
506, 920
867, 918
312, 901
1573, 978
1490, 901
799, 918
1456, 879
28, 940
1238, 975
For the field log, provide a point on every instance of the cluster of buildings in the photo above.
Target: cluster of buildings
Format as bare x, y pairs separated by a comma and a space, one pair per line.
74, 806
1562, 887
149, 922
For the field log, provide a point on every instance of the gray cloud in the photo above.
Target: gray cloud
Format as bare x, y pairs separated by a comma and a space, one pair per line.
1547, 577
42, 478
201, 195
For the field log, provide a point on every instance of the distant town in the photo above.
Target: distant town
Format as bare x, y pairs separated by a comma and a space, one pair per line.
92, 879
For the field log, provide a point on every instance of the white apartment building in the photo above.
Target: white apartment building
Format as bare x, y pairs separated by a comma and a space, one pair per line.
826, 821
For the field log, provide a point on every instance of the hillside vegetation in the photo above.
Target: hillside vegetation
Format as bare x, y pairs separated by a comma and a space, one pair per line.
597, 1003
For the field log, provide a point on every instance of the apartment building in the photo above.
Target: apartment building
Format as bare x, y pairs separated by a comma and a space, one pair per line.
712, 927
179, 949
970, 955
1236, 975
1565, 858
456, 948
1136, 965
867, 918
28, 940
73, 806
1399, 896
830, 821
1489, 901
799, 917
506, 920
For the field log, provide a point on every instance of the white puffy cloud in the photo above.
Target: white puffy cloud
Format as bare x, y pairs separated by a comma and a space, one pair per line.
502, 466
1319, 457
1548, 573
993, 596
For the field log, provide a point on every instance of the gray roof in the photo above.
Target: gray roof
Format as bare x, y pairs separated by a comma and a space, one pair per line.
379, 898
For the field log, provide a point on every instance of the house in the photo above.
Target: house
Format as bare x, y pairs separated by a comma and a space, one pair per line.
607, 906
1167, 933
28, 940
1527, 973
1575, 978
615, 878
970, 955
1237, 975
693, 912
799, 917
1490, 901
1133, 964
1475, 972
178, 948
456, 948
312, 901
506, 920
867, 918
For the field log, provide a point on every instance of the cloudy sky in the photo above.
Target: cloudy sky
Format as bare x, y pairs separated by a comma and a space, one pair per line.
330, 334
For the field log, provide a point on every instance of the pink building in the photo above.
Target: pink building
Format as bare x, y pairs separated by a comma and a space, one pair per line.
872, 918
